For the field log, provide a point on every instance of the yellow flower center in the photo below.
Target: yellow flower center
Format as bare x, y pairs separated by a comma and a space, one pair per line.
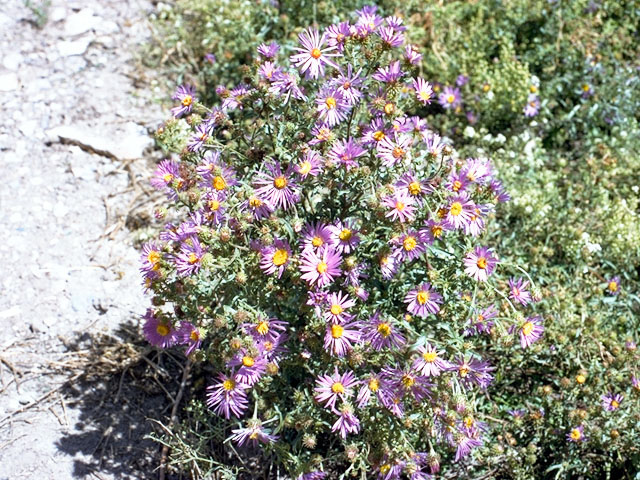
415, 188
456, 209
255, 202
193, 258
154, 257
457, 185
533, 89
317, 241
486, 87
248, 361
389, 108
532, 103
527, 328
346, 85
163, 329
280, 182
337, 387
331, 103
400, 206
384, 469
581, 379
451, 98
194, 335
425, 95
316, 53
379, 135
482, 263
409, 243
167, 177
423, 297
214, 205
228, 385
263, 327
322, 267
187, 100
463, 370
304, 168
613, 286
430, 357
585, 88
398, 153
280, 257
468, 422
384, 329
253, 435
345, 234
408, 381
219, 183
268, 346
336, 309
436, 231
336, 331
575, 434
374, 384
614, 404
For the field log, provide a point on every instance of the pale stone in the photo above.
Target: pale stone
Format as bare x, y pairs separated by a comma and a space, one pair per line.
8, 81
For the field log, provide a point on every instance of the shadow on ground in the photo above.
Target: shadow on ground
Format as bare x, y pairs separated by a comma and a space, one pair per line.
118, 385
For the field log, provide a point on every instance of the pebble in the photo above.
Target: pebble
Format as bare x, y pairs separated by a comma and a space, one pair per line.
8, 81
12, 60
75, 47
81, 22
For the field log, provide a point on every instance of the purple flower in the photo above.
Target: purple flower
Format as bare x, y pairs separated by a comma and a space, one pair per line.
344, 236
382, 333
197, 141
391, 37
210, 57
287, 84
312, 476
473, 371
151, 257
332, 106
348, 85
611, 402
368, 20
480, 322
464, 444
269, 51
460, 211
424, 91
313, 57
315, 236
530, 331
576, 434
532, 107
389, 74
275, 258
450, 98
462, 80
412, 54
337, 34
477, 170
235, 98
406, 381
345, 152
188, 261
228, 396
340, 337
415, 187
321, 267
430, 363
258, 207
330, 387
480, 263
347, 422
159, 331
518, 291
279, 189
321, 134
265, 329
214, 209
389, 265
394, 151
423, 300
401, 205
252, 367
216, 174
311, 164
613, 286
270, 71
252, 433
189, 335
496, 188
434, 145
635, 383
375, 132
337, 304
409, 245
186, 95
167, 178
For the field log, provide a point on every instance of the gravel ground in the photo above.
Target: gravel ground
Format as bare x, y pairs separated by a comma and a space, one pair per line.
72, 133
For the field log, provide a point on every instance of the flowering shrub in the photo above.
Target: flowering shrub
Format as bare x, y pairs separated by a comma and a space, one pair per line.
332, 259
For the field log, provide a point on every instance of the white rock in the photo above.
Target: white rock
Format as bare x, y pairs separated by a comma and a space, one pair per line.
56, 14
8, 81
106, 27
60, 210
75, 47
81, 22
12, 61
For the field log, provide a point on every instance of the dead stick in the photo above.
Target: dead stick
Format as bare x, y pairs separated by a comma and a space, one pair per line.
173, 419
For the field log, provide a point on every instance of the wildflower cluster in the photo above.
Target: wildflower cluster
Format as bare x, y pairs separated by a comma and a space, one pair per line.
330, 256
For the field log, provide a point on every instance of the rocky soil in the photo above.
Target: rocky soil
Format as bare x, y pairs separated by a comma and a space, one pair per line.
76, 384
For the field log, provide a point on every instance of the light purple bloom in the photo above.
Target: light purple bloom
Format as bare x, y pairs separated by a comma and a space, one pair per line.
409, 245
394, 150
349, 83
613, 286
401, 205
314, 236
186, 95
332, 106
275, 258
424, 90
611, 402
188, 261
189, 335
167, 178
269, 51
251, 367
311, 164
480, 322
480, 263
530, 331
337, 304
382, 333
474, 372
518, 291
278, 188
313, 57
337, 34
228, 396
423, 300
430, 362
159, 331
340, 337
412, 54
320, 268
330, 387
532, 107
576, 434
346, 152
252, 433
391, 37
344, 236
450, 98
347, 422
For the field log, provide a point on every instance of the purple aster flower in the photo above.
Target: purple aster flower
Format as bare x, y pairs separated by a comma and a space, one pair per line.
235, 98
412, 54
197, 141
313, 57
368, 20
189, 335
279, 189
401, 205
396, 23
516, 414
228, 396
348, 84
464, 445
265, 328
337, 304
344, 236
408, 246
518, 291
498, 191
337, 34
330, 387
211, 58
375, 132
586, 90
460, 211
430, 362
635, 383
462, 80
530, 331
424, 90
576, 434
188, 261
369, 386
415, 187
259, 207
167, 178
480, 263
339, 338
269, 51
613, 286
450, 98
474, 371
389, 470
252, 433
346, 152
287, 84
382, 333
406, 381
478, 170
532, 106
611, 402
434, 145
396, 150
321, 134
311, 164
480, 322
215, 173
214, 209
347, 422
388, 265
312, 476
186, 95
315, 236
252, 367
391, 37
275, 258
269, 71
457, 182
389, 74
433, 231
321, 267
475, 226
332, 106
159, 331
423, 300
151, 257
